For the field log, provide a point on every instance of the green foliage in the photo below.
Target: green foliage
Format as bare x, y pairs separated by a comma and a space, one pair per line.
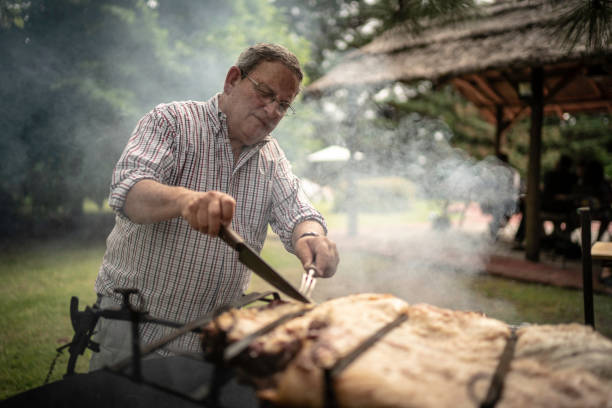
581, 137
469, 131
77, 76
534, 303
337, 26
69, 94
587, 18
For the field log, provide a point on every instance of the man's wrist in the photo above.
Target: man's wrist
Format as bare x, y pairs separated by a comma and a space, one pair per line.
308, 234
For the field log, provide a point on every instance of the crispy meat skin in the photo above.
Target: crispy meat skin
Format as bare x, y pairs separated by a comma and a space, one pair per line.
437, 358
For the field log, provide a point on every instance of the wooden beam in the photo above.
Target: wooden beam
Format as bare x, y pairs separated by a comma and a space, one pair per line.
488, 115
533, 227
595, 87
584, 105
499, 129
523, 111
563, 82
571, 105
468, 87
513, 83
557, 109
488, 89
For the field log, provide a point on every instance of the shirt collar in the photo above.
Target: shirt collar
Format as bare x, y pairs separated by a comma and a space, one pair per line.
218, 119
219, 123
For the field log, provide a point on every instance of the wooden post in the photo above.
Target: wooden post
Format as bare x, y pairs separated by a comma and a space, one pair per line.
499, 129
533, 227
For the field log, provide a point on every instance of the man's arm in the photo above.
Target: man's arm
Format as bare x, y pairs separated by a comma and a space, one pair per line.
149, 201
314, 249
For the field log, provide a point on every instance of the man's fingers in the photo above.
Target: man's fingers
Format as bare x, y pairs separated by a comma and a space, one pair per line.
206, 211
319, 253
228, 206
332, 263
202, 218
214, 217
327, 258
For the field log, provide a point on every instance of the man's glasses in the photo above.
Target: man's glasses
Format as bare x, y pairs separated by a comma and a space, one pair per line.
284, 108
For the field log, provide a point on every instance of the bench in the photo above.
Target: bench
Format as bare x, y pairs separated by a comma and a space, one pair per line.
601, 251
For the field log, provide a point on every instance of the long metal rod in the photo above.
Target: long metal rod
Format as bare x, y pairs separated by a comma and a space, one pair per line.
496, 387
136, 353
236, 348
193, 326
329, 395
345, 361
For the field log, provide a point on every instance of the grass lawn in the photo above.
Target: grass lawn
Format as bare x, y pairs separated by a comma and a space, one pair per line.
536, 303
39, 280
37, 283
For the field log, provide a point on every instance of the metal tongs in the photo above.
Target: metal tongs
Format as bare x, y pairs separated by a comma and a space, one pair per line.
308, 282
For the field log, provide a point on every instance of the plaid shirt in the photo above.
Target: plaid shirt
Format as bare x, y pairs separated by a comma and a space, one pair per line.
181, 273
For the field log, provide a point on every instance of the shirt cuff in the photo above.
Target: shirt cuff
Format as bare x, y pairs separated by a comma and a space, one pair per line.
119, 193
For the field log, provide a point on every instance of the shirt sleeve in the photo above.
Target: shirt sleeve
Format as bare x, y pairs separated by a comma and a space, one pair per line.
290, 205
147, 155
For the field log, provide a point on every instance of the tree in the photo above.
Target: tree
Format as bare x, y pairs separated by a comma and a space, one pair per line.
334, 27
77, 75
343, 26
66, 97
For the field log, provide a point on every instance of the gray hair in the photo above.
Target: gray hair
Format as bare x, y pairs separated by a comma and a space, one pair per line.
252, 56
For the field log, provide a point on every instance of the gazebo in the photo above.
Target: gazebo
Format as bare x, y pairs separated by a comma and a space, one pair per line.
507, 59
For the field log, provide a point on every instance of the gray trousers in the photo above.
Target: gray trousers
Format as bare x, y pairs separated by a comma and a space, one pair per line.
114, 337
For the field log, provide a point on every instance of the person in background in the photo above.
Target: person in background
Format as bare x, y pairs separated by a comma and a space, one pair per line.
557, 196
501, 202
188, 168
559, 187
592, 188
595, 191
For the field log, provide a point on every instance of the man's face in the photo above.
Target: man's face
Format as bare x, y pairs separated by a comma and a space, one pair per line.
250, 117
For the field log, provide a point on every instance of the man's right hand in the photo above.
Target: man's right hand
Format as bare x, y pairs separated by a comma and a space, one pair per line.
206, 211
149, 201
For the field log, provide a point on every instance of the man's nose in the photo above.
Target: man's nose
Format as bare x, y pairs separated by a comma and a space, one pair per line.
273, 109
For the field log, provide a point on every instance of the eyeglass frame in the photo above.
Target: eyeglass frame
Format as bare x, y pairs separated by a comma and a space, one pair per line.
270, 96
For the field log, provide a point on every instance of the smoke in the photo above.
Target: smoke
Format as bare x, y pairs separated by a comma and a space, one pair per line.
430, 256
76, 79
420, 261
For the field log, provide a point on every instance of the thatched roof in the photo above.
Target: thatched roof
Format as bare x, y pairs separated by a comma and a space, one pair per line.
488, 56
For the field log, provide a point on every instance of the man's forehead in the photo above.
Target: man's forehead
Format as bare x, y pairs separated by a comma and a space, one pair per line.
276, 76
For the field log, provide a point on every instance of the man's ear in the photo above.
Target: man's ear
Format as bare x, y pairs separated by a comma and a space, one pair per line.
231, 79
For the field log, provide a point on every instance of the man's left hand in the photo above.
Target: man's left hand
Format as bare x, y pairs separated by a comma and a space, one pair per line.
319, 253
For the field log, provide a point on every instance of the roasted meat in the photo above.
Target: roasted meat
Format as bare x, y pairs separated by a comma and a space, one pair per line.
435, 358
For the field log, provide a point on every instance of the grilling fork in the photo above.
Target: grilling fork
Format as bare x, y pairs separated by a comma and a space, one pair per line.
308, 282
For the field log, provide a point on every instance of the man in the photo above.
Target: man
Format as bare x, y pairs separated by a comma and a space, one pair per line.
189, 168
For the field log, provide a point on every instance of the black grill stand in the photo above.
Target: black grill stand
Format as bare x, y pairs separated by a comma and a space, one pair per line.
84, 323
